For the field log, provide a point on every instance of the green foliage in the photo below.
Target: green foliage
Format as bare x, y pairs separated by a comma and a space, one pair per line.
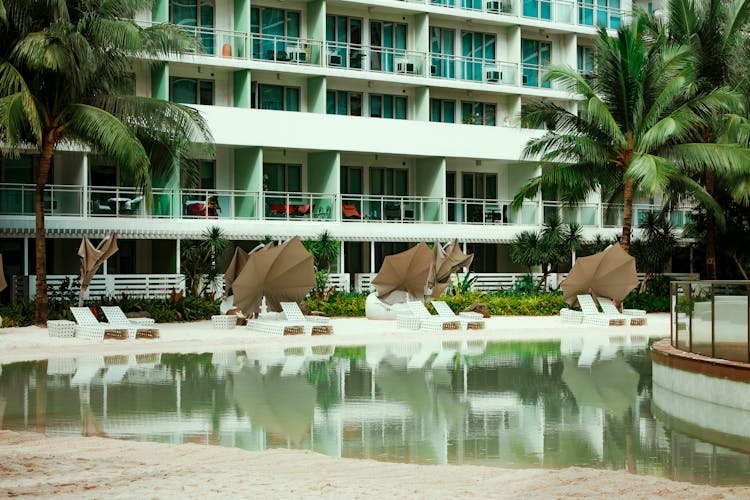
339, 304
324, 250
461, 286
176, 308
548, 248
199, 261
653, 252
17, 314
541, 304
653, 298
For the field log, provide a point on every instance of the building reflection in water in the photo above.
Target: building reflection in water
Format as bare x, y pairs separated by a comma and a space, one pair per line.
577, 402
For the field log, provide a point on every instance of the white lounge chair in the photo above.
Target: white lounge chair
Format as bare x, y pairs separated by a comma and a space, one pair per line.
469, 320
592, 315
635, 316
316, 325
137, 327
429, 322
275, 327
88, 327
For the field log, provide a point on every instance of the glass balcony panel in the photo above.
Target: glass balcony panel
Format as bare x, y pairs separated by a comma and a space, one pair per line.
731, 321
702, 318
17, 199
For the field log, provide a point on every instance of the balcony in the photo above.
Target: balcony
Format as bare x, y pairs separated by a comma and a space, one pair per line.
412, 209
473, 69
229, 205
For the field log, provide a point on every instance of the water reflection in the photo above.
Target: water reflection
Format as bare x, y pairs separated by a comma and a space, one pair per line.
510, 404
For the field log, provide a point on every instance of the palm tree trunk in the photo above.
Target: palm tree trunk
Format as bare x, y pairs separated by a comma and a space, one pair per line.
48, 148
627, 216
710, 230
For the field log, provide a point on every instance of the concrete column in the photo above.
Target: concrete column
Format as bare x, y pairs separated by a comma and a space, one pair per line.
422, 33
569, 50
431, 183
85, 184
241, 26
160, 82
316, 20
241, 88
160, 11
514, 49
323, 176
372, 257
248, 176
316, 94
422, 104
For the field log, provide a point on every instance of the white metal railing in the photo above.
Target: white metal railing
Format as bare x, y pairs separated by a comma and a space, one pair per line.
559, 11
150, 286
453, 67
226, 204
590, 13
493, 282
371, 208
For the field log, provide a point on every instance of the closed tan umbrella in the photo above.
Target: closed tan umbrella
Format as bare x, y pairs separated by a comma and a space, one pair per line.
282, 274
239, 259
406, 271
446, 262
3, 283
609, 273
92, 259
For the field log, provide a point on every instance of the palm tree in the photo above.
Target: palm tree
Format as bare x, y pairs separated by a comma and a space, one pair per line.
631, 135
64, 68
714, 31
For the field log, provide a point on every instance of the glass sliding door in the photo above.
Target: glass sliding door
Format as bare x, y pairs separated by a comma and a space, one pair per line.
442, 46
388, 45
342, 102
275, 29
196, 16
535, 56
478, 113
344, 35
442, 110
478, 49
538, 9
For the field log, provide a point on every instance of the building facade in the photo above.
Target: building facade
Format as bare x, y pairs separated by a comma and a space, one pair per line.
385, 123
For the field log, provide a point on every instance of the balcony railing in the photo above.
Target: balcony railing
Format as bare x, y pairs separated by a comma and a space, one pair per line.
369, 208
711, 318
128, 202
473, 69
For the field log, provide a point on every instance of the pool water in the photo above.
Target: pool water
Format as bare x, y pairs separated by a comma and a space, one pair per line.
504, 404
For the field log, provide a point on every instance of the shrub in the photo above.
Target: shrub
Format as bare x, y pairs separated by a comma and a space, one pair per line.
541, 304
339, 304
17, 315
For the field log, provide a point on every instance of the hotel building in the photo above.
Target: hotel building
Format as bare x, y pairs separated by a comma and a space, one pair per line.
384, 122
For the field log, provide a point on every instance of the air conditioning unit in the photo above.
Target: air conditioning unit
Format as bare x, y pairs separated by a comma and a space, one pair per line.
404, 67
334, 60
493, 6
493, 75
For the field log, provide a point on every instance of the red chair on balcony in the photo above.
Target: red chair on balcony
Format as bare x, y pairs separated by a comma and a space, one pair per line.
351, 212
280, 209
303, 209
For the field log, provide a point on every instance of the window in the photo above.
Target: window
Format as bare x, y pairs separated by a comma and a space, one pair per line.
351, 180
197, 16
344, 35
278, 30
479, 185
442, 110
191, 91
478, 113
388, 42
442, 46
478, 50
585, 60
389, 181
208, 174
342, 102
282, 177
388, 106
536, 57
276, 97
600, 13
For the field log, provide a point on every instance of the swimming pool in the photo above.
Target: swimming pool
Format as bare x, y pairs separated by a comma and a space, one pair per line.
549, 404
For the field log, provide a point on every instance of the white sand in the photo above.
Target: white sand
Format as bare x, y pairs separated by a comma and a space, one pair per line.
76, 467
